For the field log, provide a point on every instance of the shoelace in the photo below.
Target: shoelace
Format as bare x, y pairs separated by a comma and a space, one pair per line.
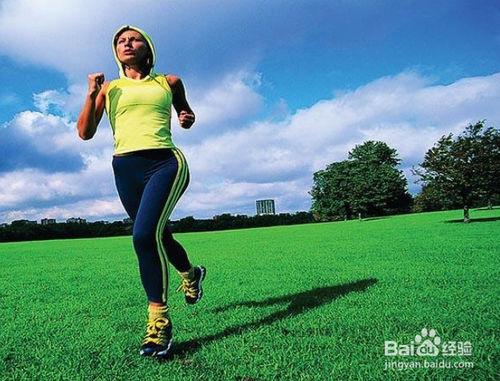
156, 332
188, 287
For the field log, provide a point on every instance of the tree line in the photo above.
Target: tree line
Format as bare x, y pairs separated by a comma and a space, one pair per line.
457, 172
29, 232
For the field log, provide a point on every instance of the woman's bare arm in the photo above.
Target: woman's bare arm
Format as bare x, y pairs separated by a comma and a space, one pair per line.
184, 112
93, 108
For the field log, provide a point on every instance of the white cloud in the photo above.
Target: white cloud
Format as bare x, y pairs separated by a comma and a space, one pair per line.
47, 139
199, 39
48, 133
405, 111
52, 139
67, 102
32, 186
234, 97
266, 159
74, 37
91, 209
206, 200
44, 100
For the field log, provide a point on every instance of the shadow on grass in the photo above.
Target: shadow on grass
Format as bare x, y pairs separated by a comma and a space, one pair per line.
298, 303
485, 219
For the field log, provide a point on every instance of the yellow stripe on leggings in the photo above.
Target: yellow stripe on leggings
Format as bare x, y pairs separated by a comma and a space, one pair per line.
159, 231
173, 197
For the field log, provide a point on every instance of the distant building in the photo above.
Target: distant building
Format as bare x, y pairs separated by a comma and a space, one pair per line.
128, 221
265, 207
77, 220
47, 221
23, 222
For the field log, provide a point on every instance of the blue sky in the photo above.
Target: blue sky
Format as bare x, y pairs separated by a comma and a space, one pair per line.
280, 90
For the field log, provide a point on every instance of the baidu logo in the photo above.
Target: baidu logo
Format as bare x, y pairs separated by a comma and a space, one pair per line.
428, 343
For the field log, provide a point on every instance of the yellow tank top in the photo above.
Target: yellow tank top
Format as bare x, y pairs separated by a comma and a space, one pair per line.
139, 112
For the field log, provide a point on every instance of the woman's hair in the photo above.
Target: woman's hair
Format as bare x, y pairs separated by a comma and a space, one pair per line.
147, 64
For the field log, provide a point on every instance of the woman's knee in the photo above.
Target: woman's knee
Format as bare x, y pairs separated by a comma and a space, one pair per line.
144, 239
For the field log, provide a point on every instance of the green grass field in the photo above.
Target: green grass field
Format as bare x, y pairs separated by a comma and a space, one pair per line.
304, 302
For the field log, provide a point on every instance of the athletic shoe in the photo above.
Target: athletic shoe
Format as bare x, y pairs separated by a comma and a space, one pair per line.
158, 339
192, 286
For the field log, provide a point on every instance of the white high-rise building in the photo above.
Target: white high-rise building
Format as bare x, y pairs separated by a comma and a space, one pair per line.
265, 207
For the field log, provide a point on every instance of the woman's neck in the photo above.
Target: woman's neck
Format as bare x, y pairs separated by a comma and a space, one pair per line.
134, 72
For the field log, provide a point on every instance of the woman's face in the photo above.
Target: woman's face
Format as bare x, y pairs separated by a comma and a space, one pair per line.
131, 48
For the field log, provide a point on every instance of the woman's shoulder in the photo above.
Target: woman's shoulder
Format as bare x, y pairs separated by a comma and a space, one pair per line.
172, 79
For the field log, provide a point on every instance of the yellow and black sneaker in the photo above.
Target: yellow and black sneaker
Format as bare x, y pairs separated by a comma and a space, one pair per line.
158, 339
191, 284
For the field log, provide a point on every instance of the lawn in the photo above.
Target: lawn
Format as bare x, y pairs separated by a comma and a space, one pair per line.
303, 302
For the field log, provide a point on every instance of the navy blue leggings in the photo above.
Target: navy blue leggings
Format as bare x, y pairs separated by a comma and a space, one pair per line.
149, 184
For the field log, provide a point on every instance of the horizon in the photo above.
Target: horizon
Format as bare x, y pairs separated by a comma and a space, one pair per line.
39, 222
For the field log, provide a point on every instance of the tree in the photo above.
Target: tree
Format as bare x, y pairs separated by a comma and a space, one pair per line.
375, 153
463, 170
379, 188
431, 198
367, 184
331, 191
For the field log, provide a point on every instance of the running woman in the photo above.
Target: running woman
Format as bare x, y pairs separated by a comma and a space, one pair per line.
150, 172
